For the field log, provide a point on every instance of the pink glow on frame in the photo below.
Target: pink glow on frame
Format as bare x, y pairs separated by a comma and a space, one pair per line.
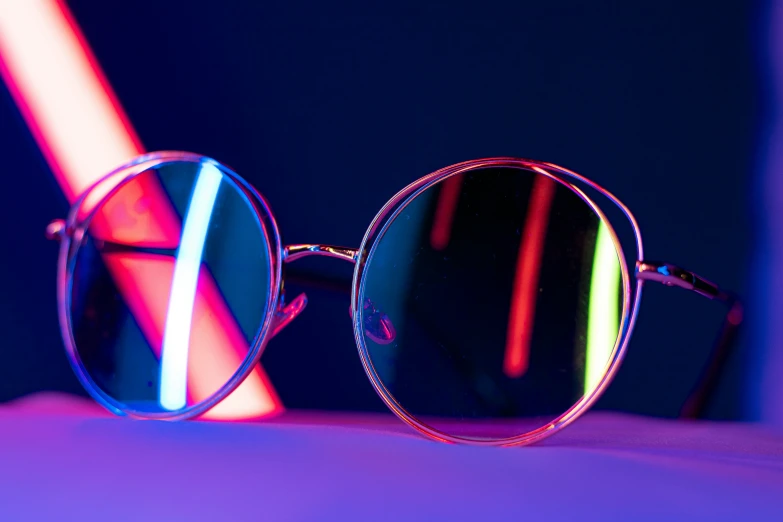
525, 293
83, 133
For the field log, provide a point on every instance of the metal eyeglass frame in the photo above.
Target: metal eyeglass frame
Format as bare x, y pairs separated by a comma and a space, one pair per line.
71, 233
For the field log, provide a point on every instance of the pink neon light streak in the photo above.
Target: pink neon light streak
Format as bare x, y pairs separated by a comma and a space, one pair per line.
444, 212
523, 302
83, 133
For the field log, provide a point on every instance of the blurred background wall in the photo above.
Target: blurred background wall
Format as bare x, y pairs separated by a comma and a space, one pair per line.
764, 400
330, 108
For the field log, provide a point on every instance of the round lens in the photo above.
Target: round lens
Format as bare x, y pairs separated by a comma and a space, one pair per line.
171, 283
492, 303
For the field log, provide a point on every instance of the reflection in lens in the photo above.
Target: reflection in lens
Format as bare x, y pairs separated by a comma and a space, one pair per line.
603, 316
159, 342
504, 290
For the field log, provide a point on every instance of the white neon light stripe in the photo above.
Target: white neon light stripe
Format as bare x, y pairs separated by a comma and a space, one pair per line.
176, 336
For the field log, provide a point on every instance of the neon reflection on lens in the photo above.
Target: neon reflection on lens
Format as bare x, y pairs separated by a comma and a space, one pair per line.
603, 314
176, 336
528, 271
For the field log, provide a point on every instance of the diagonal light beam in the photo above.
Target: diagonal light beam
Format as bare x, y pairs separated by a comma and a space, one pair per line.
83, 133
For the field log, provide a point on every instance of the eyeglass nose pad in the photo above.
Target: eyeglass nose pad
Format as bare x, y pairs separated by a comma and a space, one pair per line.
377, 325
288, 312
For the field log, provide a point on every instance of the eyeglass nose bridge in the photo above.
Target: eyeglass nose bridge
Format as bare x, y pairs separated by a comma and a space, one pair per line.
378, 326
294, 252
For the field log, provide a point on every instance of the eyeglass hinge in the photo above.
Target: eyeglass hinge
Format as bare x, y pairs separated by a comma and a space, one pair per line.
671, 275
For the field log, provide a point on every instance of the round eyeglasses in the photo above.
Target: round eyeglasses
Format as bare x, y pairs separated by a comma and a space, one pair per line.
491, 300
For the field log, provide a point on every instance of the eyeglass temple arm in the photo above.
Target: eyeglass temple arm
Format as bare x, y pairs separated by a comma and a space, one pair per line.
671, 275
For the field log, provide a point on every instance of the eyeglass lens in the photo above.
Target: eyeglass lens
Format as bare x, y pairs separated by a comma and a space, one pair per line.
502, 289
168, 287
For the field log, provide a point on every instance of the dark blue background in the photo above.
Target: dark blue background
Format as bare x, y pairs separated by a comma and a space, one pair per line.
330, 108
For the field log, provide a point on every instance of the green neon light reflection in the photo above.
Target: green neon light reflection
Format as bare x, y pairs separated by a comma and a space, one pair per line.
603, 310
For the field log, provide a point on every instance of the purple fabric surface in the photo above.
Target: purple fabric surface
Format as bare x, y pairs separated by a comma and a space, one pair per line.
64, 459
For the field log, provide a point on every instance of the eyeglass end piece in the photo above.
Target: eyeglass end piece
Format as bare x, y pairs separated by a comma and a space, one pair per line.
671, 275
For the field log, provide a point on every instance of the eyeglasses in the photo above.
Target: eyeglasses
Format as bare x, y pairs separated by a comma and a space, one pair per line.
491, 301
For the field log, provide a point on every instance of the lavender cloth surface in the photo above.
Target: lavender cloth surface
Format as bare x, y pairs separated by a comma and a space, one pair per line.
63, 458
